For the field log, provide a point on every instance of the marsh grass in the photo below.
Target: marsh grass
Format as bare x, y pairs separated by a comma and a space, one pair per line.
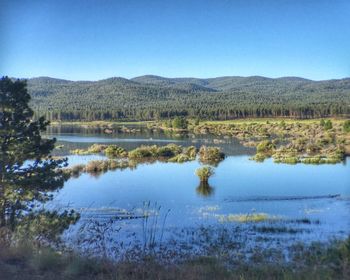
93, 149
245, 218
205, 251
210, 155
152, 226
168, 153
97, 167
114, 151
287, 141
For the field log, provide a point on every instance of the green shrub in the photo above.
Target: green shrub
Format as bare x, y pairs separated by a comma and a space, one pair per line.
79, 152
93, 149
312, 148
76, 170
260, 157
204, 173
312, 160
143, 152
328, 125
265, 146
180, 158
196, 121
169, 150
191, 152
346, 126
114, 151
179, 123
210, 155
97, 166
290, 160
96, 148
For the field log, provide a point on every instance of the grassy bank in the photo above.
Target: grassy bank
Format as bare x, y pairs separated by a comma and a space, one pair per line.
100, 123
315, 261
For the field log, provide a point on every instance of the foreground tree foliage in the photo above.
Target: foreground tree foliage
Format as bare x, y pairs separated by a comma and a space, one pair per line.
28, 174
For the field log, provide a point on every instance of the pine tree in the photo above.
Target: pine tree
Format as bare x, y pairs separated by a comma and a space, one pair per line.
28, 174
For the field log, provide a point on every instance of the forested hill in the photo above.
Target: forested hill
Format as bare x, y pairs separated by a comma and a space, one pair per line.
153, 97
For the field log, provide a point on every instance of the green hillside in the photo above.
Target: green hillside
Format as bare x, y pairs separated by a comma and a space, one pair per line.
153, 97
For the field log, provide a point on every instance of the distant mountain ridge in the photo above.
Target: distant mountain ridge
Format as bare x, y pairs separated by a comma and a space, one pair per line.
206, 84
150, 97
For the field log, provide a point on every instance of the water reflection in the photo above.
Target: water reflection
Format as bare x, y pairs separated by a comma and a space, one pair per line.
205, 190
71, 137
238, 179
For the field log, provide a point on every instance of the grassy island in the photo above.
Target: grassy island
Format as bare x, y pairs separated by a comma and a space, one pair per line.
315, 141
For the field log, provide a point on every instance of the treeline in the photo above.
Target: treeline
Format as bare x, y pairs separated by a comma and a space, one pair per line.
152, 97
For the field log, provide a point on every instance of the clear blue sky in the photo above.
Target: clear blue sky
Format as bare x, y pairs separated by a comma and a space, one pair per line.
96, 39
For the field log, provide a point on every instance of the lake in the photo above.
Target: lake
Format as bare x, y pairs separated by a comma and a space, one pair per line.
296, 202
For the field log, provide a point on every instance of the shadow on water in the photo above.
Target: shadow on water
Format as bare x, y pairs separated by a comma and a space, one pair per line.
205, 190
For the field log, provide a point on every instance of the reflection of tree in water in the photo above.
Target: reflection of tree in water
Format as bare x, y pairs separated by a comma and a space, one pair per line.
204, 189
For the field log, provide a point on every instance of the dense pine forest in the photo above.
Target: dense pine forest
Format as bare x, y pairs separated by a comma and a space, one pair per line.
153, 97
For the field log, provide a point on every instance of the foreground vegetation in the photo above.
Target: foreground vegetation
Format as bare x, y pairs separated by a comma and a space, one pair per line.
316, 261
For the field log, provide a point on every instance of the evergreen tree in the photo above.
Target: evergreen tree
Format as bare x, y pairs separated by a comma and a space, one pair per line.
346, 126
28, 174
328, 125
179, 123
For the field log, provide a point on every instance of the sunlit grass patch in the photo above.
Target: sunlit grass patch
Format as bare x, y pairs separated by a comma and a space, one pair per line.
245, 218
93, 149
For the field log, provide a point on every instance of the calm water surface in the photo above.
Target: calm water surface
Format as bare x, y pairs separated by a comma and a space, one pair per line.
240, 186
